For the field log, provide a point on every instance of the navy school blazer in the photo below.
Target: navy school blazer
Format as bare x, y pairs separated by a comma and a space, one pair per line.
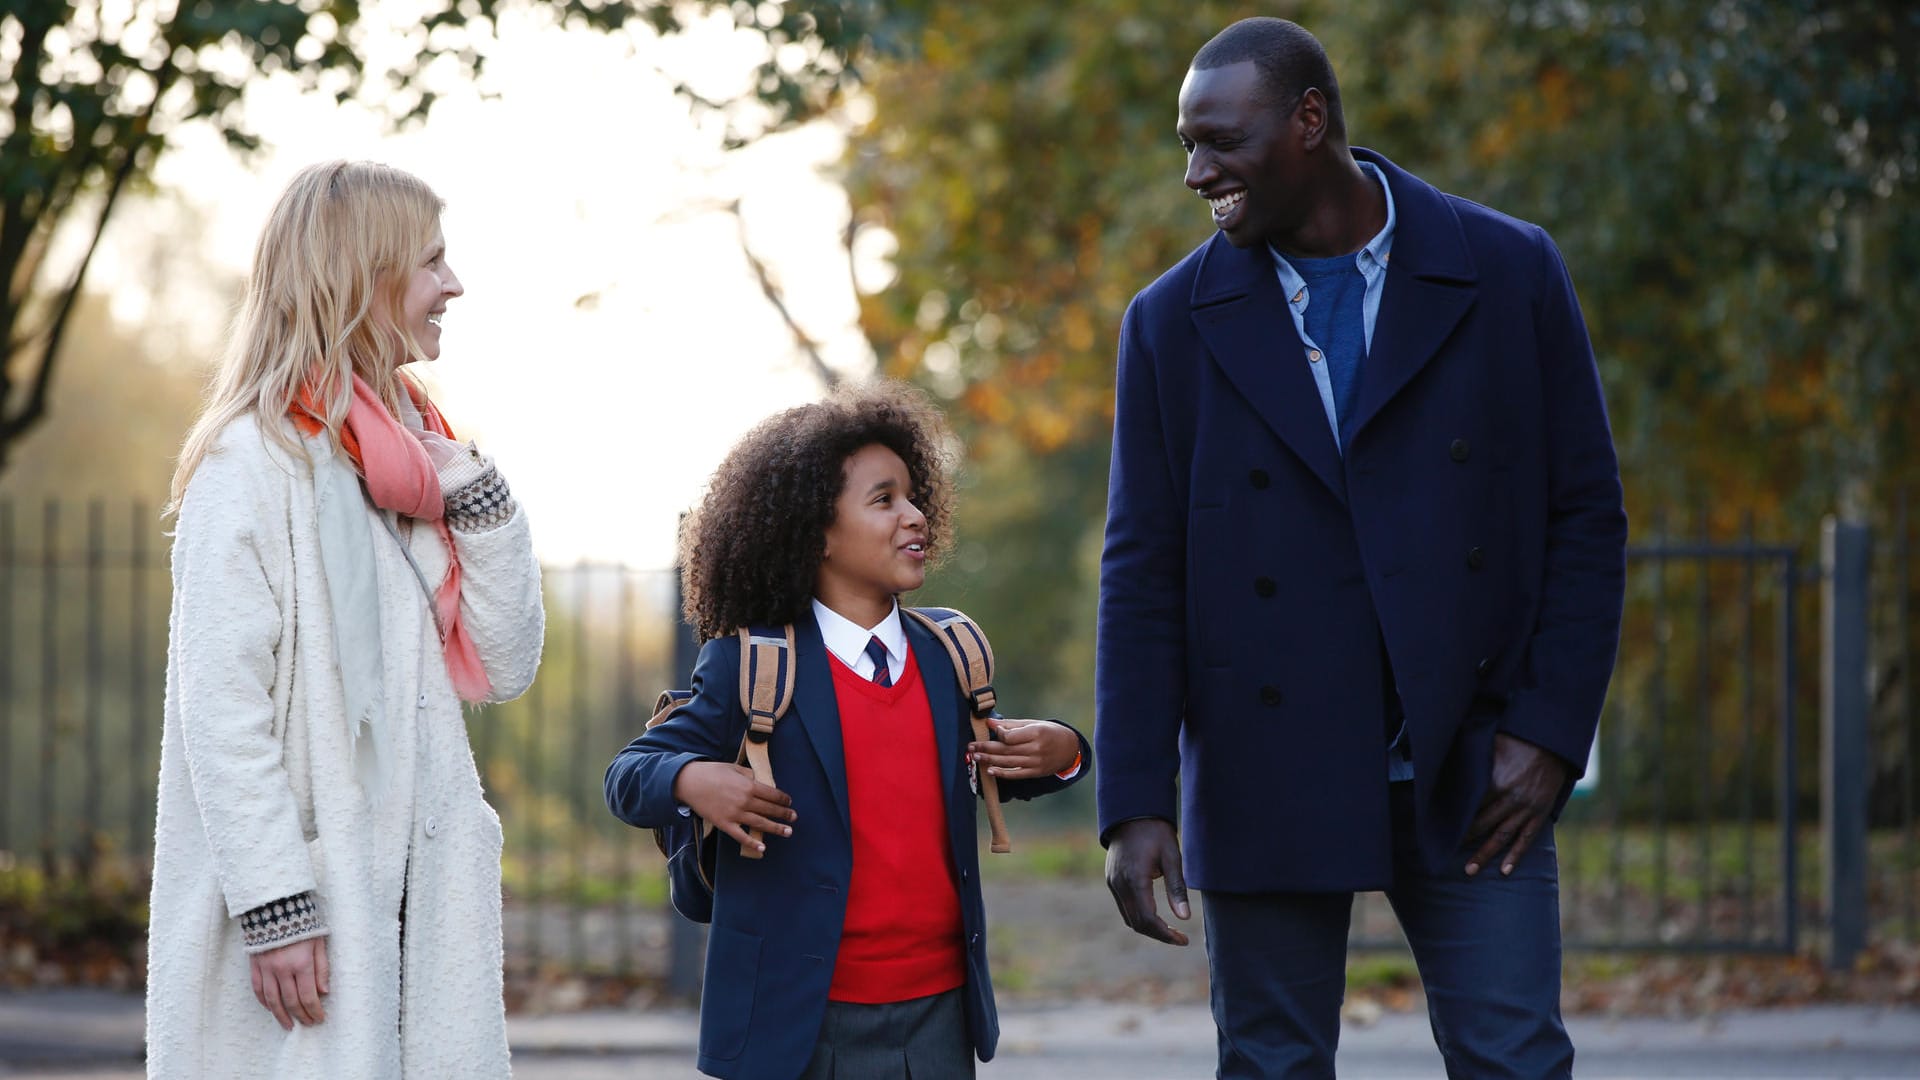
777, 920
1252, 573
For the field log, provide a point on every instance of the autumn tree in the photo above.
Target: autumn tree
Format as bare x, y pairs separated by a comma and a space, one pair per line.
1732, 181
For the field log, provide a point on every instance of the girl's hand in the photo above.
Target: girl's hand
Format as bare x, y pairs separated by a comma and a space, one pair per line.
290, 981
729, 799
1027, 749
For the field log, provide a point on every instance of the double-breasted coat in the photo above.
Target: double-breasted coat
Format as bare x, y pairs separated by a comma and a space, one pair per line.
1253, 572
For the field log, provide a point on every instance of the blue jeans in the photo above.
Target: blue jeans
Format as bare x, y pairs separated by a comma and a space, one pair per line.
1488, 950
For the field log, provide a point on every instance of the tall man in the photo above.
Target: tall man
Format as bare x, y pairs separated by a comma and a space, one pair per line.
1362, 582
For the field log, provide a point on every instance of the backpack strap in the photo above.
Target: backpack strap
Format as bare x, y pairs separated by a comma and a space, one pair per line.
766, 691
972, 658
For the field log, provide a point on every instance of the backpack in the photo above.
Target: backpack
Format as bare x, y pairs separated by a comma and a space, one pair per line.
767, 668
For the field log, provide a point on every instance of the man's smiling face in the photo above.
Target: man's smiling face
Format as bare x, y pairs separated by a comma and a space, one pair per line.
1243, 156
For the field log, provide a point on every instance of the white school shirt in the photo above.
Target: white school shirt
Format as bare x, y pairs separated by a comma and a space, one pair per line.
847, 640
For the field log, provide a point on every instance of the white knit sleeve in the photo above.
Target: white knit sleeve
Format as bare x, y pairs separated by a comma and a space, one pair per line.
228, 553
500, 602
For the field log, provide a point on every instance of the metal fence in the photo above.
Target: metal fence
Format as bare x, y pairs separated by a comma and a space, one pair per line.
1685, 834
84, 593
1697, 830
1894, 797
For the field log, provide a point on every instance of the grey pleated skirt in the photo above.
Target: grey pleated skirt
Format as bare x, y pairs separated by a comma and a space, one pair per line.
922, 1039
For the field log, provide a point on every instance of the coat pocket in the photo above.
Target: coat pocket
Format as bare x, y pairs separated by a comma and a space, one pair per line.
322, 889
317, 856
1210, 556
726, 1004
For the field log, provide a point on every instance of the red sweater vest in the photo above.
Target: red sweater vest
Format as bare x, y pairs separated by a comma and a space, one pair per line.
903, 937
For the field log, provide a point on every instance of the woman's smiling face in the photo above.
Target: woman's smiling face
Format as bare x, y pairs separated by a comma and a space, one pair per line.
430, 284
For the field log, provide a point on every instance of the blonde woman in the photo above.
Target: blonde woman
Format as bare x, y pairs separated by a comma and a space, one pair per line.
326, 897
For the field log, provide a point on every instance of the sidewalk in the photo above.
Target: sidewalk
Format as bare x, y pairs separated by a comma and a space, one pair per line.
97, 1035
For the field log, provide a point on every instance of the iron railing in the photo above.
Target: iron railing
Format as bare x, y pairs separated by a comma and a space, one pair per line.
1697, 832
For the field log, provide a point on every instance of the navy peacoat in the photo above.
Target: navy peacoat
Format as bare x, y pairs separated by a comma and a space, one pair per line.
1253, 573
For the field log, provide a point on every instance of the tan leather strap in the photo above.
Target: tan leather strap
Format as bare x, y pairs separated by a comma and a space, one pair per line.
972, 657
766, 690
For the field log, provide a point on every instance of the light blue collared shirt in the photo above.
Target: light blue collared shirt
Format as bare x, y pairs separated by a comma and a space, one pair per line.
1371, 261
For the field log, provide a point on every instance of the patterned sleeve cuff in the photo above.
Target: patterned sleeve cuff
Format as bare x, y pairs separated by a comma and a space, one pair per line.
481, 505
463, 469
282, 922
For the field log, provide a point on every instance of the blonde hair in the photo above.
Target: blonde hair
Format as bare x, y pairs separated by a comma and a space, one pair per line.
339, 243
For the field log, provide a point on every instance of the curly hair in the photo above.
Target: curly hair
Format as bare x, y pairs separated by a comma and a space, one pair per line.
750, 553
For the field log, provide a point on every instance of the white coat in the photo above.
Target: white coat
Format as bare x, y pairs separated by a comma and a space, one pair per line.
258, 797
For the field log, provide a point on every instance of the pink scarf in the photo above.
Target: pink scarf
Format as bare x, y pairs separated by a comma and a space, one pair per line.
400, 477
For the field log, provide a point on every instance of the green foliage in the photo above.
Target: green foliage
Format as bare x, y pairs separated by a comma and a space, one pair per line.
1025, 160
1073, 853
1392, 971
1733, 183
89, 929
121, 432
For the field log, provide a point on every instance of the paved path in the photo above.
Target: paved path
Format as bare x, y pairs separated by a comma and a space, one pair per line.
96, 1035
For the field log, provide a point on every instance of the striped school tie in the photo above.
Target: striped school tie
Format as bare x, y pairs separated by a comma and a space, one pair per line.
876, 652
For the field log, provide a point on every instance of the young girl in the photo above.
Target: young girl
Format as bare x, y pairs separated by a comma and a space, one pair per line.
326, 879
855, 946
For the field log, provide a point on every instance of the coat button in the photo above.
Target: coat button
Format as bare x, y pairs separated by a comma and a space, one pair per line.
1263, 586
1485, 665
1259, 479
433, 828
1269, 696
1313, 356
1459, 450
421, 701
1476, 558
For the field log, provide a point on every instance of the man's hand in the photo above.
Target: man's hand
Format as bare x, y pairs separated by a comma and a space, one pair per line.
291, 980
728, 798
1525, 783
1140, 851
1026, 749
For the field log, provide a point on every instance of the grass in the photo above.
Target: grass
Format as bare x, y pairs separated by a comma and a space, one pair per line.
605, 867
1618, 889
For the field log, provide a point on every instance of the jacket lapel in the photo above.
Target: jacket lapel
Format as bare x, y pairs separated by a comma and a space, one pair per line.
943, 698
1431, 284
815, 709
1239, 310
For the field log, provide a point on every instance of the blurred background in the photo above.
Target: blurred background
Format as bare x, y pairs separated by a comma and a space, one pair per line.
673, 218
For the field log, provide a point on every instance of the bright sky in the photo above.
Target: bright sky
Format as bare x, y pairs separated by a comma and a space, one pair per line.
612, 342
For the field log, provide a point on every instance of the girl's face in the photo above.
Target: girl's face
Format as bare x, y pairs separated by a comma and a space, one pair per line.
876, 547
430, 284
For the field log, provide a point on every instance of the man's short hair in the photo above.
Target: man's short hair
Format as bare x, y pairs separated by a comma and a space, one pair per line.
1290, 60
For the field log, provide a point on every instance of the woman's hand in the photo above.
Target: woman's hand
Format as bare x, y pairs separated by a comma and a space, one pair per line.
728, 798
440, 449
291, 980
1027, 749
